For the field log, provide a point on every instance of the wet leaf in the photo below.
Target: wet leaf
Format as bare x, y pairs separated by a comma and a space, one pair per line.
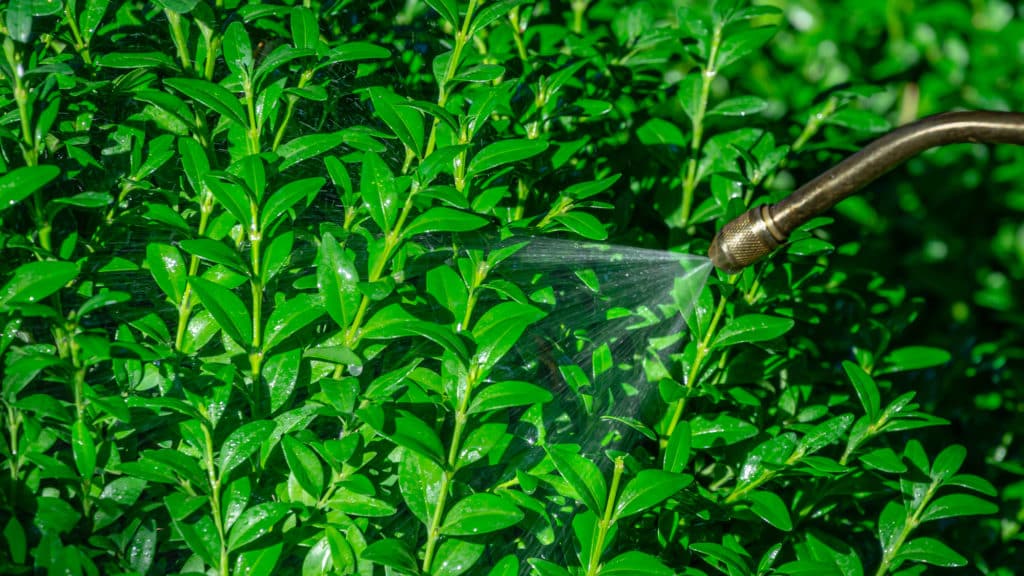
480, 514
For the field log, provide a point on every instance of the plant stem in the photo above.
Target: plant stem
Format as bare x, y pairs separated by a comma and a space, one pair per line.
215, 500
703, 349
911, 523
707, 76
461, 38
605, 523
180, 42
80, 45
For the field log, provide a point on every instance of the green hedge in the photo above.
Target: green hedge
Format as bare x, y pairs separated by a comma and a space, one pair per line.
400, 287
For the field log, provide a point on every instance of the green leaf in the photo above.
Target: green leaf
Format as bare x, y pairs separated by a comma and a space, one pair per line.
956, 505
304, 28
441, 219
405, 122
213, 96
281, 371
232, 197
308, 146
504, 152
216, 252
291, 316
648, 489
259, 561
227, 309
353, 51
948, 462
358, 504
480, 73
394, 322
480, 514
34, 281
448, 9
855, 119
20, 183
237, 48
498, 330
393, 553
737, 45
719, 430
304, 464
546, 568
770, 507
584, 224
972, 482
930, 551
752, 328
582, 476
493, 11
337, 279
420, 480
17, 543
168, 269
584, 190
84, 449
255, 521
479, 443
884, 459
677, 453
503, 395
635, 564
286, 196
866, 389
913, 358
734, 562
241, 444
377, 188
455, 556
739, 106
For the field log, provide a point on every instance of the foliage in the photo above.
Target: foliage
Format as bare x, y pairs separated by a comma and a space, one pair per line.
262, 309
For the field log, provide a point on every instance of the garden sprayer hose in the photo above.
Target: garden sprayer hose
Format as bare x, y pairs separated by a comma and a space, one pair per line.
757, 232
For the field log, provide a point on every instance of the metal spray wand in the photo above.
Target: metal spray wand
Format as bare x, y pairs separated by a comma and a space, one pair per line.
757, 232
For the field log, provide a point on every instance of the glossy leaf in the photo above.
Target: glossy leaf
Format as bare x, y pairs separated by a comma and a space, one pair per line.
507, 394
241, 444
648, 489
35, 281
504, 152
21, 183
480, 514
227, 309
752, 328
771, 508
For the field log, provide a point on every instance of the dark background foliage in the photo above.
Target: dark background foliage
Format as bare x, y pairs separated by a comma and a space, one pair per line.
298, 287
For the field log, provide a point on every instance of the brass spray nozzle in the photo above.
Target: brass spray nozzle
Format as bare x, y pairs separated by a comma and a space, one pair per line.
757, 232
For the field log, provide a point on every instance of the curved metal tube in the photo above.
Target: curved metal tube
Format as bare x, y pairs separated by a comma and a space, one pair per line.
757, 232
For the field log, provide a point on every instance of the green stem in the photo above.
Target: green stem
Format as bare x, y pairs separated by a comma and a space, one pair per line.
80, 45
433, 536
461, 37
814, 124
912, 522
304, 79
186, 304
218, 521
605, 523
178, 35
707, 77
517, 35
703, 349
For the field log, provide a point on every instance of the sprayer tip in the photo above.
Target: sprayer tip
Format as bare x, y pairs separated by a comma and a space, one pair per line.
720, 257
743, 241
